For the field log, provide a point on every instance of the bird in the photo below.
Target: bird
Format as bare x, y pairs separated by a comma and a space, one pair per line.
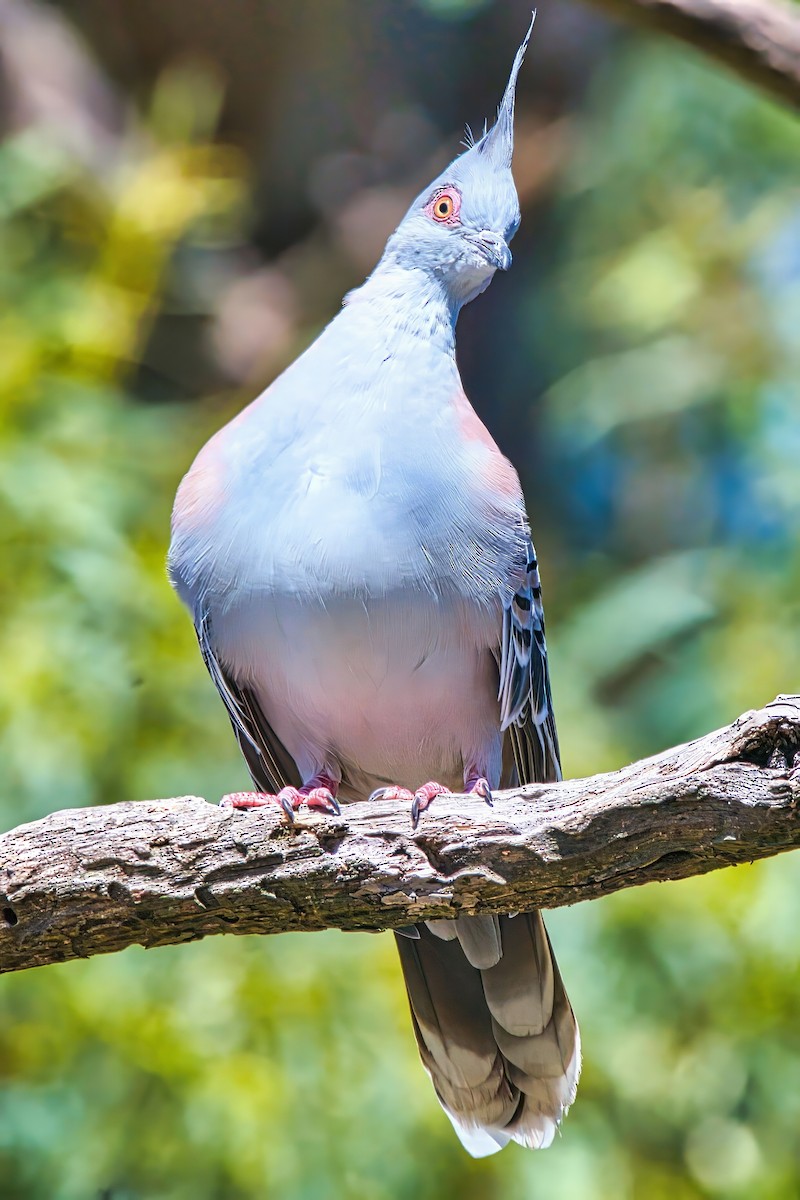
355, 554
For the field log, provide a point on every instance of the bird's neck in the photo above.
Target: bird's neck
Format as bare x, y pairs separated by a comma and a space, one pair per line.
407, 301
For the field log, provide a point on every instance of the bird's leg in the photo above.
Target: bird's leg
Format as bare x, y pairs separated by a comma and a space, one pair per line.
474, 784
319, 792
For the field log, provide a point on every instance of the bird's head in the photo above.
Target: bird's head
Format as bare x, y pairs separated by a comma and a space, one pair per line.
459, 227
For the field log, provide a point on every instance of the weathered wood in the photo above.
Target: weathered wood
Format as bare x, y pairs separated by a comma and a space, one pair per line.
758, 39
88, 881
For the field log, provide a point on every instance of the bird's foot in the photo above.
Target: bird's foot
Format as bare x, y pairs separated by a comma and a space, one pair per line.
319, 794
392, 793
419, 800
424, 796
479, 786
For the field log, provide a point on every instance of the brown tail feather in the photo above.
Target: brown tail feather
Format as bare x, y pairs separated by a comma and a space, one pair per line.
500, 1042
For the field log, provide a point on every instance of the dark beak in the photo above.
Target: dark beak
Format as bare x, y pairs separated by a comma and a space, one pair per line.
494, 249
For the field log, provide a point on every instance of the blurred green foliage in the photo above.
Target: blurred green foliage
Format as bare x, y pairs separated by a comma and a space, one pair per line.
665, 498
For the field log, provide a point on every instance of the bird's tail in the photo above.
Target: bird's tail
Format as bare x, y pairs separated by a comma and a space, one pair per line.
495, 1030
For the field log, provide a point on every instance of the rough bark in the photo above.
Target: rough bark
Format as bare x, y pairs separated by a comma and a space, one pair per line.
88, 881
758, 39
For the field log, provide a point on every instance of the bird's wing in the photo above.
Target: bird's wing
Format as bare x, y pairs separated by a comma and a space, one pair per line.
269, 762
526, 705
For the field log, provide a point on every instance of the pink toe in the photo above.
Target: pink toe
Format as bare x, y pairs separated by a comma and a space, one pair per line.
424, 797
323, 800
246, 800
428, 792
395, 793
480, 787
291, 796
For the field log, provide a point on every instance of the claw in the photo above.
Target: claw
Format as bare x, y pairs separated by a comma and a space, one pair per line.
481, 788
285, 798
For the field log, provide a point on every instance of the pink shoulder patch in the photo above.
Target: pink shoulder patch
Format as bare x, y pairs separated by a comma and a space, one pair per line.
201, 491
497, 471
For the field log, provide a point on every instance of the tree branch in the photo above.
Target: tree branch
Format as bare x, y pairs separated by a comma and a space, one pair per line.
757, 39
88, 881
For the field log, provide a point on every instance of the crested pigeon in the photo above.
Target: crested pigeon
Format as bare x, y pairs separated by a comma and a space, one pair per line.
355, 554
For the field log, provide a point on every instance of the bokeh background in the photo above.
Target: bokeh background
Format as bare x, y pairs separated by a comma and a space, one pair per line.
187, 188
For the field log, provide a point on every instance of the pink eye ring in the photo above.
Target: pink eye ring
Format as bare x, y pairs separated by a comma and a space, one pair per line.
444, 206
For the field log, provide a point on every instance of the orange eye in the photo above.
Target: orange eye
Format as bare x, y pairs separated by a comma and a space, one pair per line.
444, 207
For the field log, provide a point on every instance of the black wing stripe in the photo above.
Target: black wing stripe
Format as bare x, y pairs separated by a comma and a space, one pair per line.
526, 705
270, 764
